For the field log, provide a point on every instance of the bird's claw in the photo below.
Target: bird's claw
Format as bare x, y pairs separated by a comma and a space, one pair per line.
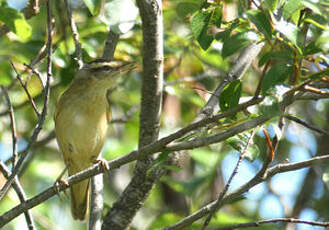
103, 163
57, 185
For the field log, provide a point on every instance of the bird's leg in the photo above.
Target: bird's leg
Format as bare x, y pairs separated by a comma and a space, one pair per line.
103, 163
59, 181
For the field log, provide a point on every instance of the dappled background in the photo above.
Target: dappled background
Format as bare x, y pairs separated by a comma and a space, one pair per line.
199, 49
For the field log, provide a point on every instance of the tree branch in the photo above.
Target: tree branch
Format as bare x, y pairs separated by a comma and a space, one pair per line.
13, 127
276, 220
75, 35
130, 201
21, 195
110, 45
228, 184
270, 172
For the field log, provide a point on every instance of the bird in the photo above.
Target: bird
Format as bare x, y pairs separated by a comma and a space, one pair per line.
81, 117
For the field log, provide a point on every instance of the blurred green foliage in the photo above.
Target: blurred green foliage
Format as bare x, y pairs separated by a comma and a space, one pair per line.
201, 41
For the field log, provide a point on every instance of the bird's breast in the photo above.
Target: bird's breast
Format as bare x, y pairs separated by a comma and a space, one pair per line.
81, 125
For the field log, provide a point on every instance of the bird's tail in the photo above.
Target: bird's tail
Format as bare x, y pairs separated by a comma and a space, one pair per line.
79, 199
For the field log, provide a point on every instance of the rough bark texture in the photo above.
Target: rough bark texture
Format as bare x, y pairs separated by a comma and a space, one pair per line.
125, 208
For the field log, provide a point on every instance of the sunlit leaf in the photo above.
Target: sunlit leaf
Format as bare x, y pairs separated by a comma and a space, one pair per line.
164, 220
199, 28
16, 22
322, 41
290, 7
292, 33
261, 21
271, 4
234, 43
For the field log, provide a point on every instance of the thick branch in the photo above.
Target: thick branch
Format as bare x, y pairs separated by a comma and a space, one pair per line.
130, 201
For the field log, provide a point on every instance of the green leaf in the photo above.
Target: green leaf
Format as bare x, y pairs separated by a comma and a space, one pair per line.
292, 33
261, 22
282, 55
291, 7
239, 142
234, 43
216, 17
271, 4
199, 27
276, 75
311, 48
230, 96
93, 6
16, 22
270, 106
322, 41
226, 34
186, 8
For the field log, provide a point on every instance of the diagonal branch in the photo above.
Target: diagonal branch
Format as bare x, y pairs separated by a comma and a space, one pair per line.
226, 187
276, 220
21, 195
267, 174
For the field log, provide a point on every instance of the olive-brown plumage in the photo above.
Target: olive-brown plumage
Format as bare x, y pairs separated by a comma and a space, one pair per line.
81, 118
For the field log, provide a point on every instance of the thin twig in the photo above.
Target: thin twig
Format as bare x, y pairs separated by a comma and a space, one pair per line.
36, 72
13, 127
21, 195
25, 89
315, 90
75, 35
42, 117
276, 220
207, 74
37, 144
126, 116
263, 175
259, 86
307, 125
25, 103
228, 184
